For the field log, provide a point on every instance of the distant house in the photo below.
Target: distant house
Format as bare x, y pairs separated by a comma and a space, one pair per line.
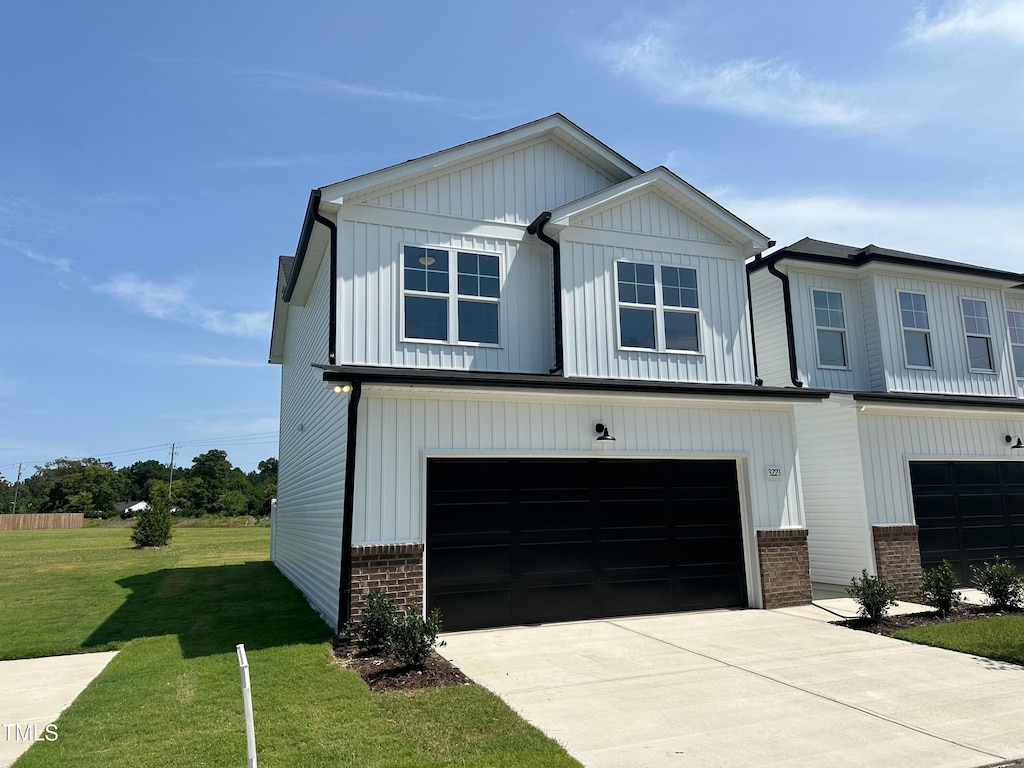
914, 458
130, 508
518, 385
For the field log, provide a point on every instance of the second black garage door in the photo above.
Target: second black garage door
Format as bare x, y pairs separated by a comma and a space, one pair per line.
519, 541
968, 512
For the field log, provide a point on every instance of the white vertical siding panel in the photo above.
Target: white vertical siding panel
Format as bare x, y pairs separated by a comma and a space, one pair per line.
770, 329
834, 503
856, 378
951, 374
589, 298
549, 426
311, 478
874, 349
890, 439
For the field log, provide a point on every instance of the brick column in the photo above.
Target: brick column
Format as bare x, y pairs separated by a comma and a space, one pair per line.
785, 567
394, 569
898, 557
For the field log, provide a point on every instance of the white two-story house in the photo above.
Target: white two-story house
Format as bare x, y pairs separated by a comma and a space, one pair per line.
916, 457
518, 385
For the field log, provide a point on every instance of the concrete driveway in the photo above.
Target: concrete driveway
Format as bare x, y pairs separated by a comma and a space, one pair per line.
748, 688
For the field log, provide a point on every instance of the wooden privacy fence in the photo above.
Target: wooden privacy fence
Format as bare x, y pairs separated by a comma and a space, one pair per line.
38, 522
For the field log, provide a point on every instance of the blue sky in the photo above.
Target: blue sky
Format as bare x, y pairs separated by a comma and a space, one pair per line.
156, 158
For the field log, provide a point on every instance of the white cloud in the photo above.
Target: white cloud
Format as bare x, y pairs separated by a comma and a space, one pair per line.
175, 302
773, 90
218, 362
966, 20
299, 81
961, 230
60, 265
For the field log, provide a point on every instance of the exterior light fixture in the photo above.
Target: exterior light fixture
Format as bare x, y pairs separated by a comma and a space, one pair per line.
602, 432
1017, 444
426, 261
339, 388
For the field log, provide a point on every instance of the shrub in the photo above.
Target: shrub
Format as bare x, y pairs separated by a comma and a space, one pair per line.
938, 588
1001, 583
374, 630
413, 638
874, 596
153, 526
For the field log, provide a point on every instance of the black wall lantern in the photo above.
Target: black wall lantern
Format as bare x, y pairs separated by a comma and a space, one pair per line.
1008, 438
602, 433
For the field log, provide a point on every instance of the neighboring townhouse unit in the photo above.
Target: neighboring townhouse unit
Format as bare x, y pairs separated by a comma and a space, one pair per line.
518, 385
913, 458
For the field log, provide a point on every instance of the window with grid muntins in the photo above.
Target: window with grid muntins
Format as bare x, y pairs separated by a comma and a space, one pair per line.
917, 343
1015, 320
830, 328
659, 308
978, 334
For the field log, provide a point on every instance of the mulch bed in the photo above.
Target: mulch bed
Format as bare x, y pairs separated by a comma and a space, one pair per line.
383, 674
893, 624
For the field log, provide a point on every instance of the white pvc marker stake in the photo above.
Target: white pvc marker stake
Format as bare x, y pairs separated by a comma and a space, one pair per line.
250, 731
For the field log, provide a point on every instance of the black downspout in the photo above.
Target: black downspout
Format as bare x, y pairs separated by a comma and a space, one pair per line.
758, 381
537, 228
345, 587
332, 331
787, 302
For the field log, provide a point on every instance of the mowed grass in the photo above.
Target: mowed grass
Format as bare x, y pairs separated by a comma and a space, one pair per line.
995, 637
172, 694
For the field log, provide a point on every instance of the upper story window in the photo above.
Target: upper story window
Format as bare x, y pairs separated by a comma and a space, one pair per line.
830, 328
658, 307
450, 295
978, 333
917, 342
1016, 322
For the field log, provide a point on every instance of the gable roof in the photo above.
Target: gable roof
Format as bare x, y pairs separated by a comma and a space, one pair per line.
285, 267
679, 192
558, 125
824, 252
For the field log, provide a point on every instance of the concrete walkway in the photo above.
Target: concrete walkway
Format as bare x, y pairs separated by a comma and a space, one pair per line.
33, 692
741, 688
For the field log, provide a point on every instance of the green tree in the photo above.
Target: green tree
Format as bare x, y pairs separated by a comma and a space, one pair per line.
216, 474
138, 475
86, 485
153, 526
233, 503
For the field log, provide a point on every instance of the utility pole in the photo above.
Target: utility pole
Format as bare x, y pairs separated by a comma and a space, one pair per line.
171, 478
14, 504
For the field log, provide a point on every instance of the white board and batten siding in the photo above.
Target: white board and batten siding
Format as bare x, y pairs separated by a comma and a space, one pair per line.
1015, 301
855, 376
399, 428
370, 299
951, 374
891, 437
838, 540
589, 299
769, 311
512, 186
311, 476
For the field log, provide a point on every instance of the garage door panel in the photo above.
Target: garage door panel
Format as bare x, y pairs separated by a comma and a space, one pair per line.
472, 519
469, 563
464, 476
970, 516
586, 538
480, 607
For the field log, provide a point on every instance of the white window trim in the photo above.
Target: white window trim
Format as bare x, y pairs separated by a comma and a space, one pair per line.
991, 345
926, 331
452, 296
844, 330
1013, 345
659, 309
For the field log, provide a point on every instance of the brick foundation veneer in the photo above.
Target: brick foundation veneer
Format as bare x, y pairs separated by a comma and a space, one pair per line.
785, 567
394, 569
898, 557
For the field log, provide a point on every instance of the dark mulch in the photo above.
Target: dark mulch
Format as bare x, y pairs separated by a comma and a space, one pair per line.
383, 673
893, 624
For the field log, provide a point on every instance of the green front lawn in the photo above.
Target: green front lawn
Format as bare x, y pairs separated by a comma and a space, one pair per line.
995, 637
172, 695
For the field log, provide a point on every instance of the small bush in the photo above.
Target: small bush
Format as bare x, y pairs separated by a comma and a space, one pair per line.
874, 596
153, 526
938, 588
1001, 583
374, 630
414, 637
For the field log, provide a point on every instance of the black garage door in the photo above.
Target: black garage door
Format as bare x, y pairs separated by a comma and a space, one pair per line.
517, 541
969, 512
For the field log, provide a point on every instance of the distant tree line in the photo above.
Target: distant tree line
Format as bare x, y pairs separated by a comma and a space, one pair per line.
212, 485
